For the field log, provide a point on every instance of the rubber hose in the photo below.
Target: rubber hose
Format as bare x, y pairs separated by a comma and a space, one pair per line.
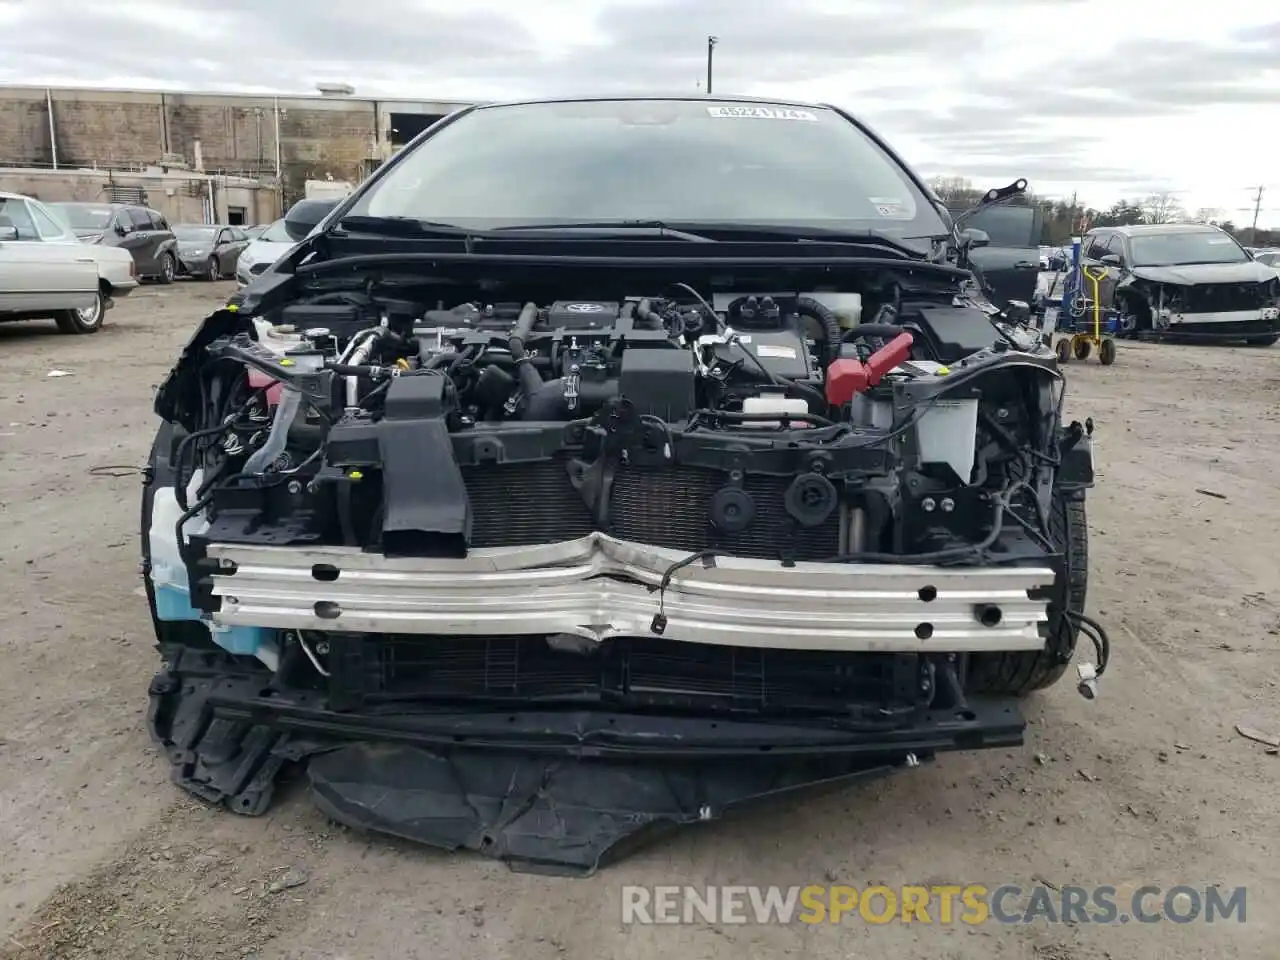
809, 307
530, 379
885, 331
524, 326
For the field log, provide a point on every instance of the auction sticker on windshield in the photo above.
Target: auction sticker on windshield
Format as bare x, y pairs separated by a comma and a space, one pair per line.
762, 113
891, 207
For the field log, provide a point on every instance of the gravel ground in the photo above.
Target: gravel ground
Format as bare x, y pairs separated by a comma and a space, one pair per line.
1150, 784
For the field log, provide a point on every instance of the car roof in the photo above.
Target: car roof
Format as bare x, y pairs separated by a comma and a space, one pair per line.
674, 97
98, 203
9, 195
1154, 229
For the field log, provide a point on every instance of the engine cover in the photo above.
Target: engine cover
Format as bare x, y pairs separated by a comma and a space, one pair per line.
582, 314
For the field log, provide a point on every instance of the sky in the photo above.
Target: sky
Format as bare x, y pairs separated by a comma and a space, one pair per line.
1110, 98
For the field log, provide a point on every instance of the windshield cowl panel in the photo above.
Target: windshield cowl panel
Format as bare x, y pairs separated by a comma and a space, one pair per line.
651, 161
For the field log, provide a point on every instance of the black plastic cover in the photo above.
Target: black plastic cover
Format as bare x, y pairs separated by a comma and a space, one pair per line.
1076, 470
426, 508
340, 319
957, 332
659, 383
782, 352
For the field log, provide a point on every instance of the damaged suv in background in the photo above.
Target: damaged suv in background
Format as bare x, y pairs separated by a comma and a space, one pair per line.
1186, 280
600, 465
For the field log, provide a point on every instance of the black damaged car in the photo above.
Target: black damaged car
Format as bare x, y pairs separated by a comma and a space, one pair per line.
1186, 281
602, 464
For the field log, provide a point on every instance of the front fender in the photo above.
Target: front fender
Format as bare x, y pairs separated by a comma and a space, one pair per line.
179, 396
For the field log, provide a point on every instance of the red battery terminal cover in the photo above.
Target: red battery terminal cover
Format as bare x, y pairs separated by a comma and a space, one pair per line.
849, 376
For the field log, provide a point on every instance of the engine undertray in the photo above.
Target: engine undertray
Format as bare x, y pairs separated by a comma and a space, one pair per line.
541, 790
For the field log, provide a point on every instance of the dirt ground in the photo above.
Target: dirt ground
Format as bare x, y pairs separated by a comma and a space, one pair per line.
1150, 784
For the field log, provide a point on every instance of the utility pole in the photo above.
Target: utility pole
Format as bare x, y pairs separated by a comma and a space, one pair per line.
711, 49
1257, 208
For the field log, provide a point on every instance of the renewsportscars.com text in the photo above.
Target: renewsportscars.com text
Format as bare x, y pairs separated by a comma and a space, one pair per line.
970, 904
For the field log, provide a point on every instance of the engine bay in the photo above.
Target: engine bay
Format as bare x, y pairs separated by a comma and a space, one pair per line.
768, 425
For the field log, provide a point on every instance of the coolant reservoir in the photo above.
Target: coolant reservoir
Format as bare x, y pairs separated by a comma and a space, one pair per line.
277, 337
168, 572
947, 433
846, 306
281, 339
775, 404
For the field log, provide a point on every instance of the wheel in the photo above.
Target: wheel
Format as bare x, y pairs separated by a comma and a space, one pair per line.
1081, 346
1063, 350
87, 320
1268, 341
1021, 672
168, 268
1107, 352
212, 273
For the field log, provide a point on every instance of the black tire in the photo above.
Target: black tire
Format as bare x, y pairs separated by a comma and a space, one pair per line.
1107, 352
84, 321
1063, 350
1269, 340
168, 268
1022, 672
212, 273
1081, 348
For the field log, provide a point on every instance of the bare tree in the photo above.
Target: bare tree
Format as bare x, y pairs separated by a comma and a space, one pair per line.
1161, 208
1207, 214
953, 189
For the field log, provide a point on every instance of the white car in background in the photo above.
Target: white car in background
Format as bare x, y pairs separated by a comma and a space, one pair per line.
46, 272
270, 245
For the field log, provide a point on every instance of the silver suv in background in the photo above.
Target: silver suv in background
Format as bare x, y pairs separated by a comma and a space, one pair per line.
270, 245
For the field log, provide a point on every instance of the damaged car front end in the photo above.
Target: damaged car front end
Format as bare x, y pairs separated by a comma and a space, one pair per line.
1189, 281
536, 535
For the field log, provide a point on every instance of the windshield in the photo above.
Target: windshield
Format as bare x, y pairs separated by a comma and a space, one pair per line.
666, 160
276, 233
86, 216
1178, 249
194, 233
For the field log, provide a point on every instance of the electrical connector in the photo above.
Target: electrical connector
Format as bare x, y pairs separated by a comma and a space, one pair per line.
1087, 680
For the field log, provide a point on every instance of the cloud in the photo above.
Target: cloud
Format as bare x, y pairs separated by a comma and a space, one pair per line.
1087, 93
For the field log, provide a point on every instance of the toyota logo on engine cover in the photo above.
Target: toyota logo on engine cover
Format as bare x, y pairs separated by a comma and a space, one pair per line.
584, 308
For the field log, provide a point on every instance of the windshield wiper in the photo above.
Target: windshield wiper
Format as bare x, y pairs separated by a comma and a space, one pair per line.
412, 227
619, 225
800, 233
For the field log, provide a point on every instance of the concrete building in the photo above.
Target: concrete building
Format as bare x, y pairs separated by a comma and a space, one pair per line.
284, 140
183, 196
